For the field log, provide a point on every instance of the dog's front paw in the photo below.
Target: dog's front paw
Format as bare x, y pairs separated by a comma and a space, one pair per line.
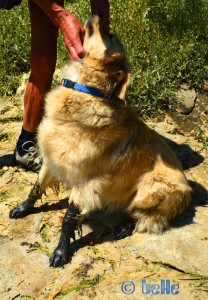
123, 230
18, 212
59, 257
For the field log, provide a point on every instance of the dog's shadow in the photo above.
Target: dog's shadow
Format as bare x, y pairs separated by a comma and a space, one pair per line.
187, 156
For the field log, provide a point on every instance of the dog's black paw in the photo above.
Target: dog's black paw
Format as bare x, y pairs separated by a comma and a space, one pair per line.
18, 212
60, 257
123, 230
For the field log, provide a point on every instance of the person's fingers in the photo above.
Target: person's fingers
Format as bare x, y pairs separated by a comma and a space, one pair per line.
76, 51
75, 54
80, 51
72, 53
78, 46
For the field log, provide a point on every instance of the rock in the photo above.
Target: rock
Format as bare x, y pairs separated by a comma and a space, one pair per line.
2, 107
184, 248
185, 98
24, 273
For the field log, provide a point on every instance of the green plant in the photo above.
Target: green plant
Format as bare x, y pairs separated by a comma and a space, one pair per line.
14, 47
166, 42
202, 133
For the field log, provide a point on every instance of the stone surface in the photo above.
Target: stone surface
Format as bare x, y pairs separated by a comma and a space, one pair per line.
185, 98
97, 272
180, 247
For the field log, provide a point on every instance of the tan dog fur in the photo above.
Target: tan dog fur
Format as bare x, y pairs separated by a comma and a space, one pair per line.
104, 155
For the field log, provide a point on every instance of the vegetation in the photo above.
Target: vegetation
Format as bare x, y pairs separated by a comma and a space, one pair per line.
166, 42
14, 47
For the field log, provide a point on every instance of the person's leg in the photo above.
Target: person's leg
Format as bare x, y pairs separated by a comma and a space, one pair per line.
42, 62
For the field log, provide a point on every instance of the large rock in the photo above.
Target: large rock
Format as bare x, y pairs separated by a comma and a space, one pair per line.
184, 248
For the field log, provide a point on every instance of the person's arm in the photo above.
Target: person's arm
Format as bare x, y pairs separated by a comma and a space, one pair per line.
102, 8
71, 28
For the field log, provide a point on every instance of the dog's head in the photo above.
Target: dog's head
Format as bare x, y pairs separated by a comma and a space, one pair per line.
106, 58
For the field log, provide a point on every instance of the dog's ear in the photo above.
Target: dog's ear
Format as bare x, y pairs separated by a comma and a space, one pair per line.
120, 90
122, 72
125, 74
113, 58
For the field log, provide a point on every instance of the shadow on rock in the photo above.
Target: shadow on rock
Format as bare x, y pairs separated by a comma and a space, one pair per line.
199, 198
199, 194
101, 226
61, 204
7, 160
187, 156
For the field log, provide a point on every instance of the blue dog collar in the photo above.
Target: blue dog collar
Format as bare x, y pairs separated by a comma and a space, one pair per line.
82, 88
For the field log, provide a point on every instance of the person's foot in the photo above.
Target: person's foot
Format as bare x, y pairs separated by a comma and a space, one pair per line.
26, 155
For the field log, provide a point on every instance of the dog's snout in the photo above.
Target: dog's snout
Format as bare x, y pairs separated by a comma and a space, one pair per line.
92, 21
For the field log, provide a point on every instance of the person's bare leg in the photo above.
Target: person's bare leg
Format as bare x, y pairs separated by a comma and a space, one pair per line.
42, 62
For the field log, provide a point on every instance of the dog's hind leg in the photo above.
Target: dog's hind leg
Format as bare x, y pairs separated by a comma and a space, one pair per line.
71, 221
44, 180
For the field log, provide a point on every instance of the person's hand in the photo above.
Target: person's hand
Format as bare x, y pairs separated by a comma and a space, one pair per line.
71, 28
73, 33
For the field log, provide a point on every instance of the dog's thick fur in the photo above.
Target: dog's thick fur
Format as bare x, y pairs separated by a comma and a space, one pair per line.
99, 149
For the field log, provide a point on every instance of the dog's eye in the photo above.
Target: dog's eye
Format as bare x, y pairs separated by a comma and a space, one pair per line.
120, 67
91, 30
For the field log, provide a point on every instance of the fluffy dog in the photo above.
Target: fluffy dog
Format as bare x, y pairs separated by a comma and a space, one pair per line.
93, 142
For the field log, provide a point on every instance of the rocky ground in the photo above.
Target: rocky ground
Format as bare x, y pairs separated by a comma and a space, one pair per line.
97, 271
